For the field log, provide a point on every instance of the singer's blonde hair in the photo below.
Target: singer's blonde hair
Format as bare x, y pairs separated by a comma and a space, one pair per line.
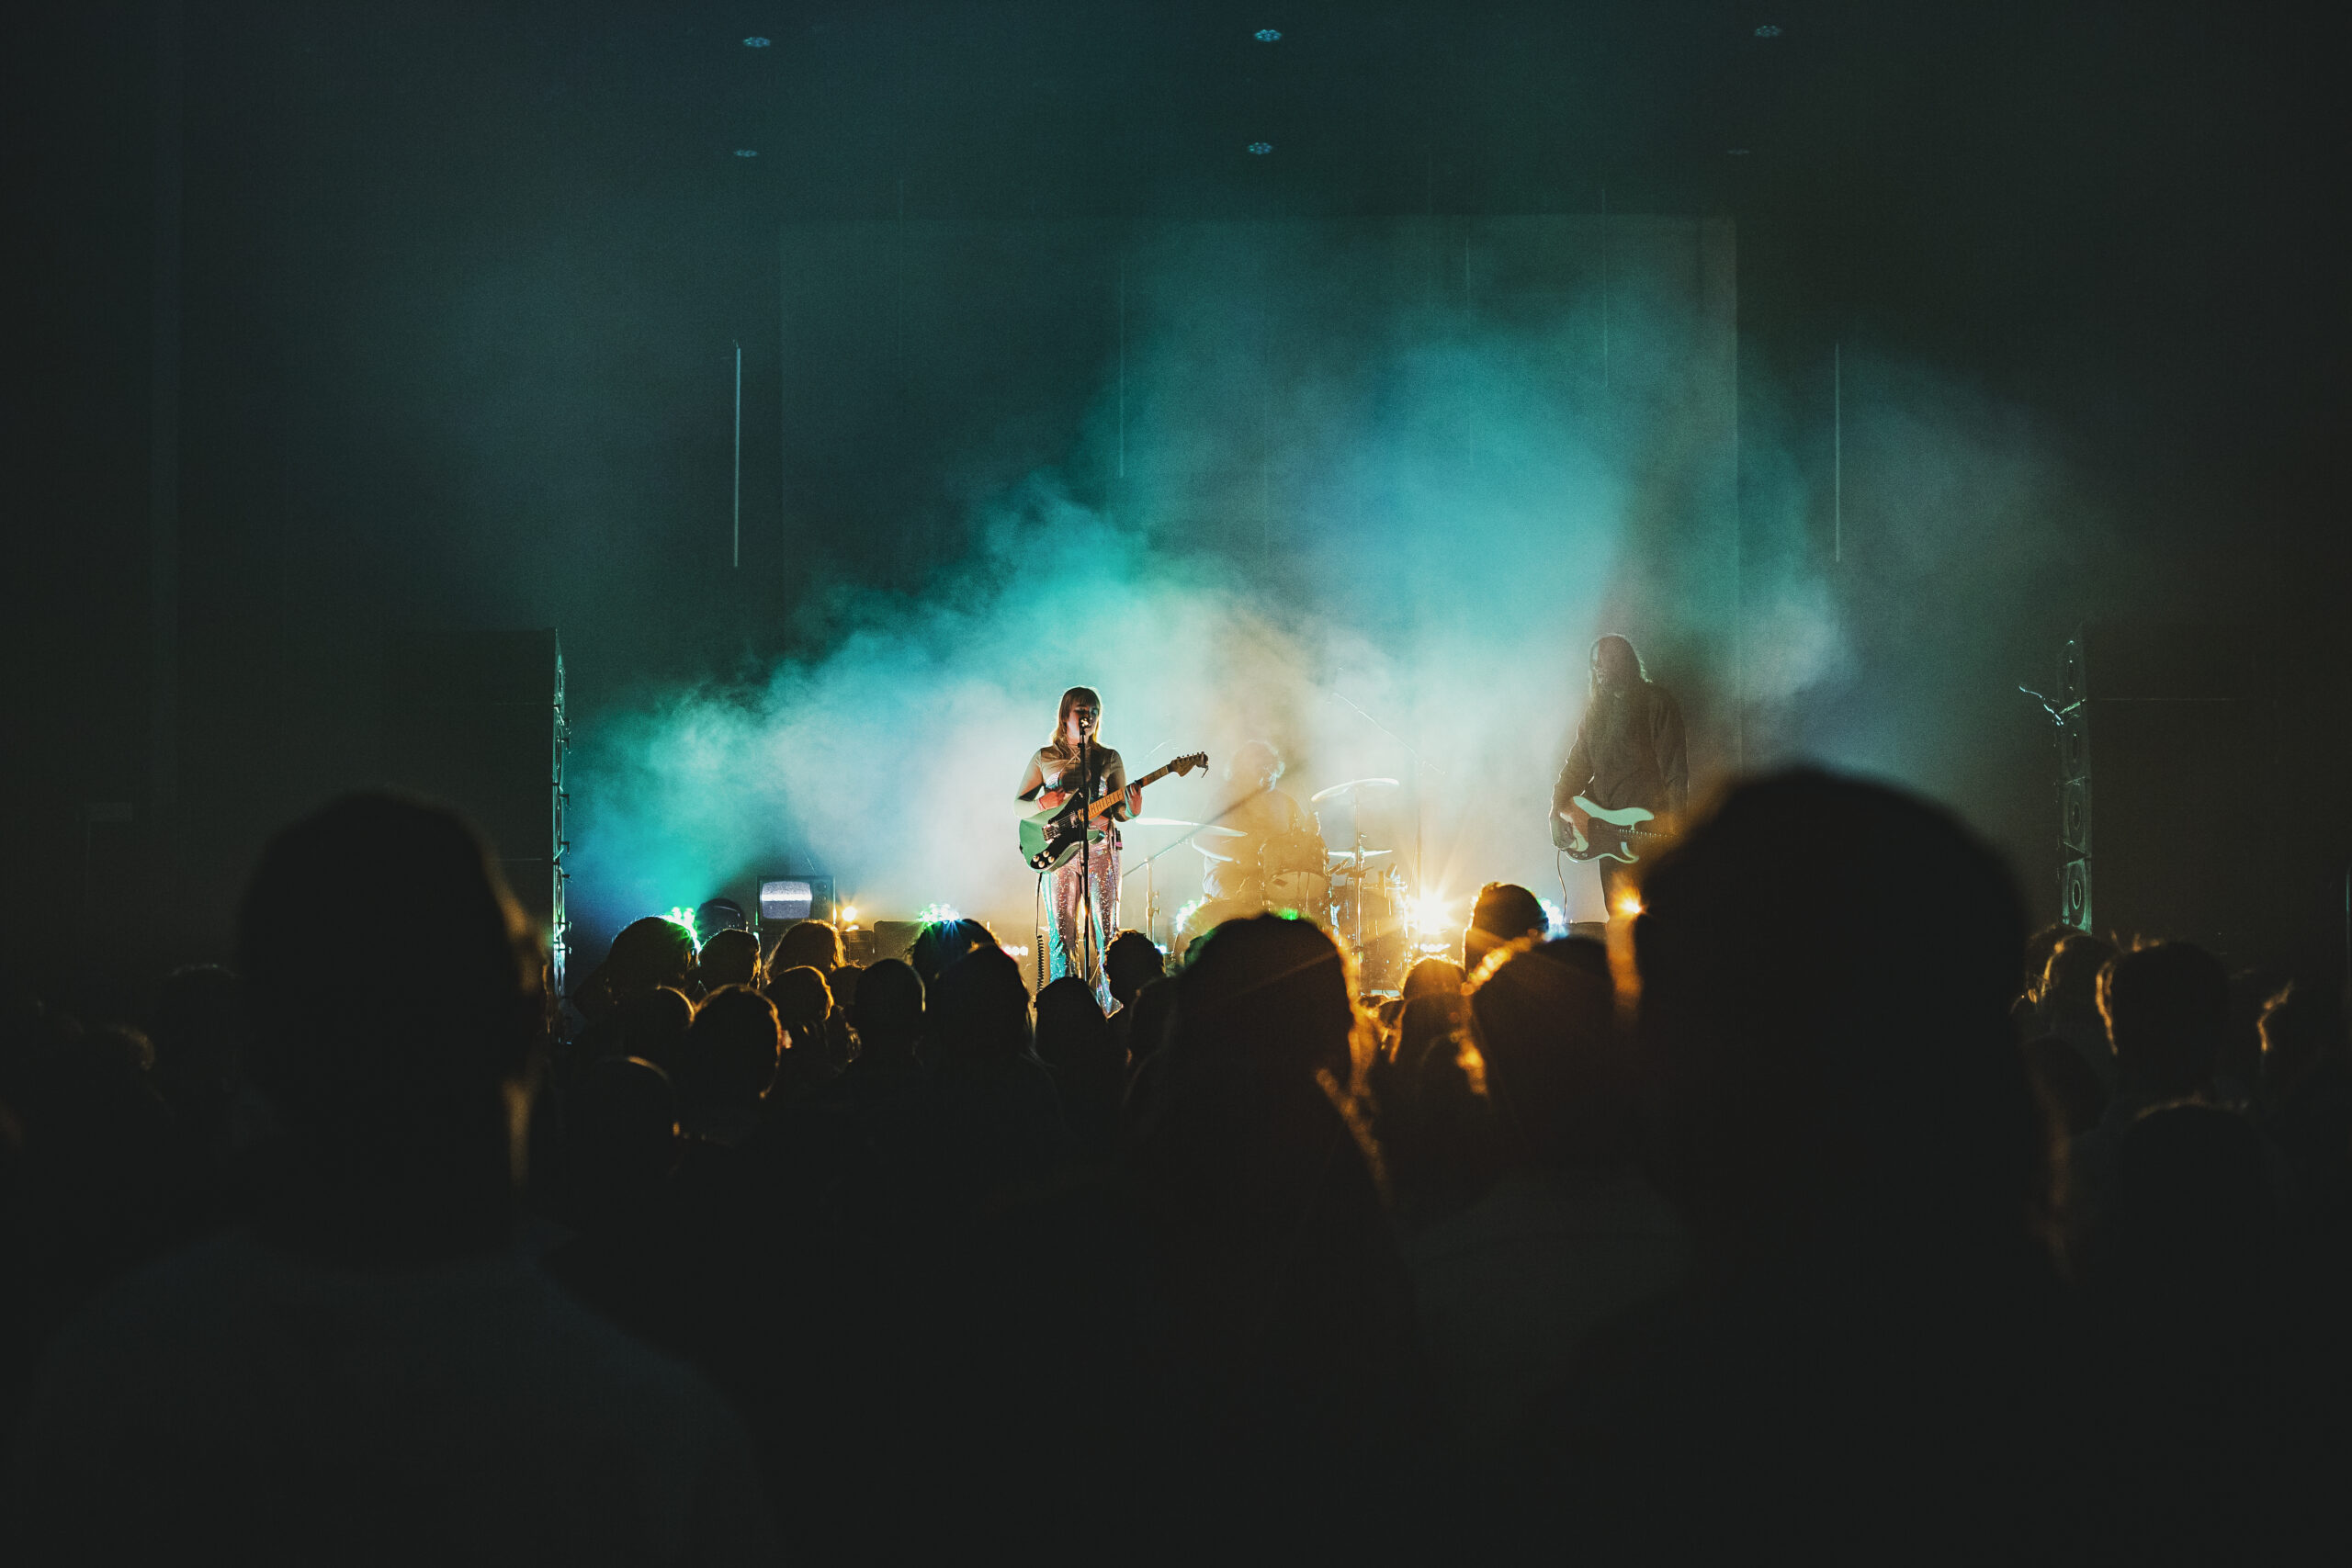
1059, 745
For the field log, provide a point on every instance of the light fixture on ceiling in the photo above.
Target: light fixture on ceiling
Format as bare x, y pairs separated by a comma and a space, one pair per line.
1262, 148
755, 41
1769, 30
747, 151
1268, 35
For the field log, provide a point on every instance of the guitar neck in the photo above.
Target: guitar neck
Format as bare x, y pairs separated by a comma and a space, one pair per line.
1117, 795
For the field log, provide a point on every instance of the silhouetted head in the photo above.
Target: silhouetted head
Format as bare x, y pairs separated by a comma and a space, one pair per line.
2168, 1012
1079, 718
1437, 1124
2038, 949
623, 1124
1504, 913
730, 957
941, 943
715, 915
1544, 1017
2302, 1026
396, 1038
729, 1060
1268, 994
653, 1025
1072, 1034
1132, 962
1433, 977
1615, 666
1832, 1032
888, 1010
803, 1002
652, 951
811, 944
979, 1009
2070, 977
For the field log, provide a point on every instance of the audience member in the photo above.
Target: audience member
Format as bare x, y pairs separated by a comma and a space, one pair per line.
2307, 1099
1089, 1066
728, 1066
807, 944
1132, 962
1437, 1129
804, 1005
372, 1371
2066, 1002
1503, 913
648, 953
1572, 1233
651, 1025
730, 957
1433, 977
2166, 1006
621, 1142
2070, 1090
1871, 1333
1281, 1347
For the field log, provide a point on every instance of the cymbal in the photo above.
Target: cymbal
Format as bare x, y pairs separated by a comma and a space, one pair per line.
1337, 857
1160, 822
1212, 854
1351, 783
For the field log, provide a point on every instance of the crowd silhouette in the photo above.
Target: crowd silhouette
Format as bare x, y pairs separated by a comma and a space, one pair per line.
1820, 1207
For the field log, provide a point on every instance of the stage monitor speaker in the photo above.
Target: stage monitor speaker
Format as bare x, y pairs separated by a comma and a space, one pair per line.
477, 719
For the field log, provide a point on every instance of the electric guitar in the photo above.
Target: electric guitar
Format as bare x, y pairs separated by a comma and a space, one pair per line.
1050, 838
1615, 835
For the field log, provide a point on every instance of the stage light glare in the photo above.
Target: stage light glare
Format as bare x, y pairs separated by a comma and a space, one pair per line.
1767, 31
1262, 148
1428, 914
747, 151
847, 918
1556, 920
931, 914
1268, 35
1629, 903
755, 41
680, 915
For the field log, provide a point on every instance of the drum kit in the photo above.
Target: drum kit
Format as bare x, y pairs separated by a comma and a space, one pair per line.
1357, 893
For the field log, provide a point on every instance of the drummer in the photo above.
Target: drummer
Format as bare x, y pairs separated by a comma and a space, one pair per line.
1263, 814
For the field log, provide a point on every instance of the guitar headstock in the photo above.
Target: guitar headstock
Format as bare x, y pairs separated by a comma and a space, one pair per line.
1186, 764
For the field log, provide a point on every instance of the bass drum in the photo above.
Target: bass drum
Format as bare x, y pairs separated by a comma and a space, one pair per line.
1387, 949
1291, 874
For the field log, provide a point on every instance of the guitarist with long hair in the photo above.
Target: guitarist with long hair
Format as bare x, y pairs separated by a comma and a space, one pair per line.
1629, 761
1075, 766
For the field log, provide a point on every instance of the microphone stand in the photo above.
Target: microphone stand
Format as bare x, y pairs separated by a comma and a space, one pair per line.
1085, 853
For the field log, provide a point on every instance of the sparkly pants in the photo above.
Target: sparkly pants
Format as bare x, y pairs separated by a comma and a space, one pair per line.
1068, 948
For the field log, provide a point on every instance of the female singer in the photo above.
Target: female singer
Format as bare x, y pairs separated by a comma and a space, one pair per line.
1072, 765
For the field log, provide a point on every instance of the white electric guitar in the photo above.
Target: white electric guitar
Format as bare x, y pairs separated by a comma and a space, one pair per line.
1607, 834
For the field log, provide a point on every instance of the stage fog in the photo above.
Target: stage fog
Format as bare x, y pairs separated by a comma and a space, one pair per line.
1367, 490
